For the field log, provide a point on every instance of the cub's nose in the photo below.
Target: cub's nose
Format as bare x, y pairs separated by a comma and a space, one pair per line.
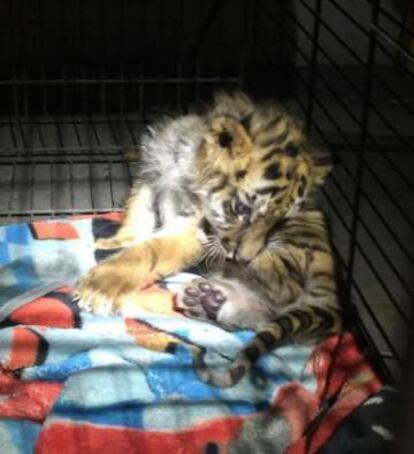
244, 211
237, 257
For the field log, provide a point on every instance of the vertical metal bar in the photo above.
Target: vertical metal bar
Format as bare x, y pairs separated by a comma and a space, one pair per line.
71, 184
52, 190
26, 110
45, 103
54, 116
370, 60
142, 68
13, 95
243, 41
13, 62
203, 29
104, 59
248, 36
32, 171
282, 23
28, 177
218, 60
103, 90
110, 174
84, 95
17, 113
111, 188
197, 77
313, 63
122, 56
43, 69
179, 88
103, 100
24, 55
198, 57
161, 52
122, 89
179, 34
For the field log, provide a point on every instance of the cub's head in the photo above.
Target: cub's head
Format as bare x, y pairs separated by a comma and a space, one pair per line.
255, 165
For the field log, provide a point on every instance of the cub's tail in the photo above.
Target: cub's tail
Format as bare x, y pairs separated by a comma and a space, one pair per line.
296, 324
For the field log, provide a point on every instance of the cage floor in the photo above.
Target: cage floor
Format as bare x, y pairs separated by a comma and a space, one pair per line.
55, 166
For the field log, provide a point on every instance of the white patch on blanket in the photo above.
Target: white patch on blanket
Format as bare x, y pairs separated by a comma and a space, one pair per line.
383, 432
177, 415
376, 400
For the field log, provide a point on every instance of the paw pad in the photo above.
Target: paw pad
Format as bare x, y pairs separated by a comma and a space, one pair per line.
202, 300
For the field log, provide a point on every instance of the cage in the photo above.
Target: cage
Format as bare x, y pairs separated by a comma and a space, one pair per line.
79, 80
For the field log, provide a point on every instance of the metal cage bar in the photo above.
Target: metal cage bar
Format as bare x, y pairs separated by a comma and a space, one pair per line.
76, 89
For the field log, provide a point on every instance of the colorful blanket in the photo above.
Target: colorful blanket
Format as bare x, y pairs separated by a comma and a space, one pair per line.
74, 382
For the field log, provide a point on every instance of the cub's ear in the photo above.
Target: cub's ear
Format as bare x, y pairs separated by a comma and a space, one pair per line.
321, 163
235, 104
230, 135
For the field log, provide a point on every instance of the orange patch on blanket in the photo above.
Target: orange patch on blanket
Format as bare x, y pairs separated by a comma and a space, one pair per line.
150, 337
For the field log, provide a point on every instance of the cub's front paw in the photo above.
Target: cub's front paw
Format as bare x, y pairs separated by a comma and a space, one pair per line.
106, 287
114, 243
249, 249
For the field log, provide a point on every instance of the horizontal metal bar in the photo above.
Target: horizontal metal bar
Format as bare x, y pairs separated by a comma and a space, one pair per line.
66, 160
57, 212
36, 121
149, 81
48, 151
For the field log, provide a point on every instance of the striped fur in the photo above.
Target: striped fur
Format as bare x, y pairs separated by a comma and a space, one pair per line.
232, 186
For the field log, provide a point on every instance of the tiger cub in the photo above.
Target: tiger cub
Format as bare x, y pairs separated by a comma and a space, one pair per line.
234, 187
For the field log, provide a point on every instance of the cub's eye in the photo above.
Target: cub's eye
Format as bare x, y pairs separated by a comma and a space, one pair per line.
242, 209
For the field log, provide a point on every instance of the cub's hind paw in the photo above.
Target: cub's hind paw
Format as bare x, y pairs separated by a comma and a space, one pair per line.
224, 302
201, 300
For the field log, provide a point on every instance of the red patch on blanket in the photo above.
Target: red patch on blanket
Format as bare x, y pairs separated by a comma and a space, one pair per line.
344, 377
24, 348
46, 311
113, 216
76, 439
27, 400
47, 230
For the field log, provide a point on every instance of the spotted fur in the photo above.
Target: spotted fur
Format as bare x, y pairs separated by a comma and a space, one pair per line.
234, 187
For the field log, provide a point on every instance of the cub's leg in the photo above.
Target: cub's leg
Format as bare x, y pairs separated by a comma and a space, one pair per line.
114, 281
138, 223
224, 301
252, 296
305, 303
